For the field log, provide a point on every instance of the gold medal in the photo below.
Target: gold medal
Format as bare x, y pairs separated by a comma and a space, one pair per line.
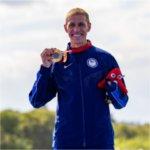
59, 56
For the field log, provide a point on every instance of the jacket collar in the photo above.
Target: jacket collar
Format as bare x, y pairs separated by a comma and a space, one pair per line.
79, 49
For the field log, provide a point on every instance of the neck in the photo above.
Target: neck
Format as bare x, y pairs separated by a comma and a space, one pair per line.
82, 48
77, 45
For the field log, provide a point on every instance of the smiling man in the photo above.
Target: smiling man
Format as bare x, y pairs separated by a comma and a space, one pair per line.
86, 79
77, 26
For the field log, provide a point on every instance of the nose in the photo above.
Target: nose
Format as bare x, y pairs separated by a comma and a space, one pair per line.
76, 28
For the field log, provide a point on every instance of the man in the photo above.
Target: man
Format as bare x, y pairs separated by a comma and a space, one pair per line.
85, 82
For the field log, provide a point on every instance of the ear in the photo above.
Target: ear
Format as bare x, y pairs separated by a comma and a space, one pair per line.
89, 26
65, 27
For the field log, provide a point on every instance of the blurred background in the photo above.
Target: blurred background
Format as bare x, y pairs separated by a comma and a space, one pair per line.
120, 27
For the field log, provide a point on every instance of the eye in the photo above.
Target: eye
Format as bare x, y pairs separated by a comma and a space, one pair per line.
71, 25
113, 75
81, 24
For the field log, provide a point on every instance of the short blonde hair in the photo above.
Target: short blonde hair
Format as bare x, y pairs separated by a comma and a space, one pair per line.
77, 11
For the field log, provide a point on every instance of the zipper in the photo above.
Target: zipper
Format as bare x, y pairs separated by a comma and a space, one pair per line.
83, 109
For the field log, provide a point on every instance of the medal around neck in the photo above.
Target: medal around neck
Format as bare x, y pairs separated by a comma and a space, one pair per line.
59, 56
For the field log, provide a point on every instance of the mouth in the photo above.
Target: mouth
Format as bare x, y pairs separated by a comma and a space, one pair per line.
77, 35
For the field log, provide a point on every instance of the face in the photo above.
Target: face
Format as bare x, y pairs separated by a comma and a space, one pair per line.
77, 28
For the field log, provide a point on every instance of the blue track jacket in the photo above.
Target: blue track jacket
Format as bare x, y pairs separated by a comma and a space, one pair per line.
83, 118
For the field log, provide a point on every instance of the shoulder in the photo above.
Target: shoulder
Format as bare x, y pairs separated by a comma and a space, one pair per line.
105, 57
103, 53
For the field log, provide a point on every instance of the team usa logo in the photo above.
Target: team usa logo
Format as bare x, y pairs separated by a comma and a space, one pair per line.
92, 62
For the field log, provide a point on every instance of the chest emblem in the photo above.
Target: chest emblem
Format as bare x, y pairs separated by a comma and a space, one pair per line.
92, 62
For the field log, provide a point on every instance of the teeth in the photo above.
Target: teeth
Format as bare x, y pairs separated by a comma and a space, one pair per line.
77, 35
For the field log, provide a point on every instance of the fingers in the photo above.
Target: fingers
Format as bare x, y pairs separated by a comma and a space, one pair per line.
46, 56
47, 52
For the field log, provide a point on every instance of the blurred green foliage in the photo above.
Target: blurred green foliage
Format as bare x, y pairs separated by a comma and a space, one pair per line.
33, 130
130, 136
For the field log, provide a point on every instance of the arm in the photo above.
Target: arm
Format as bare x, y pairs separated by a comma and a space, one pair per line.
44, 88
115, 95
114, 85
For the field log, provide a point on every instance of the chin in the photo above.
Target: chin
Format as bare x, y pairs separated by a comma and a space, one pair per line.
78, 42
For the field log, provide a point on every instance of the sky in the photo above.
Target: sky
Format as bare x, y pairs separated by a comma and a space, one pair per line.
120, 27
